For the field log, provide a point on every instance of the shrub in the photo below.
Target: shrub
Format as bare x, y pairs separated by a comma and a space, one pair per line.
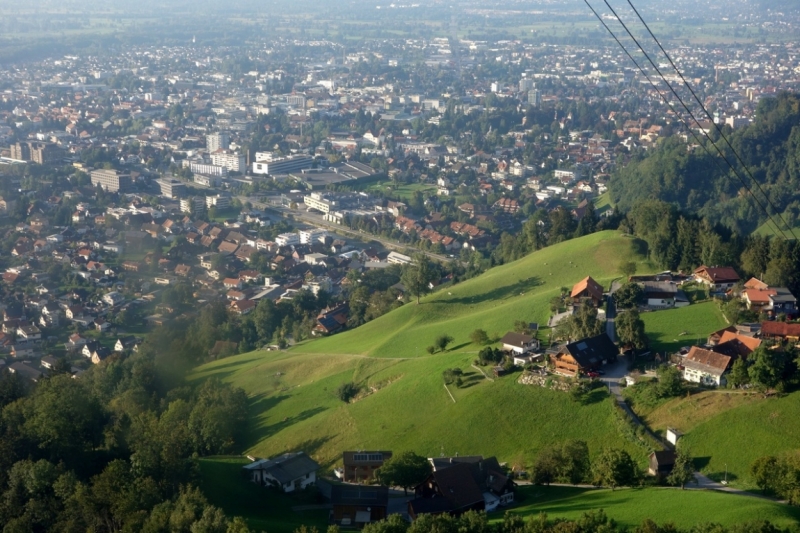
347, 391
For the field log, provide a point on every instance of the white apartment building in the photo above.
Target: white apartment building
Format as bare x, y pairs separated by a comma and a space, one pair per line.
233, 161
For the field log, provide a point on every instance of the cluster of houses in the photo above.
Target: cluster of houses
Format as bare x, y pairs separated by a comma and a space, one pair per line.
455, 485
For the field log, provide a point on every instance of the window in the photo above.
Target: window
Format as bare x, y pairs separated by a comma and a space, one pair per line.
367, 457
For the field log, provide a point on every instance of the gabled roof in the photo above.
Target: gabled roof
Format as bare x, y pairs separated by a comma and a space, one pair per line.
780, 329
755, 283
287, 467
707, 361
751, 343
718, 274
519, 340
593, 350
594, 289
665, 458
457, 485
360, 495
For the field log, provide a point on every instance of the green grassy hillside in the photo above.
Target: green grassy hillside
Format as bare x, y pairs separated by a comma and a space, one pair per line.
630, 507
492, 301
733, 429
295, 406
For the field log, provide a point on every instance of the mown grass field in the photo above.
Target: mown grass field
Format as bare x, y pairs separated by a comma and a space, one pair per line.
670, 329
732, 428
630, 507
294, 401
264, 510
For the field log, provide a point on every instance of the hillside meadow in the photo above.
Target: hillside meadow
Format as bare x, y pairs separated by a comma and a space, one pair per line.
295, 405
630, 507
731, 429
517, 291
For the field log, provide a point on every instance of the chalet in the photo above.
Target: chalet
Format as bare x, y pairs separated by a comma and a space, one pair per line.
583, 356
288, 472
452, 490
361, 466
243, 307
332, 320
232, 283
588, 288
705, 367
661, 463
771, 300
736, 345
357, 505
101, 324
718, 279
518, 343
780, 331
714, 338
663, 294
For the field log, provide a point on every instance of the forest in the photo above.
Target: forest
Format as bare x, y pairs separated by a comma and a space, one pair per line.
699, 182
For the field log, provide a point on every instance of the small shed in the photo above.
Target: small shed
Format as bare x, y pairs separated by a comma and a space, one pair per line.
661, 463
673, 435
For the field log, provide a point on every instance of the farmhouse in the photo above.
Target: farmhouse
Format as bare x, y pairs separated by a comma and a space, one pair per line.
718, 279
452, 490
358, 504
361, 466
460, 477
736, 344
288, 472
518, 343
588, 288
584, 355
705, 366
664, 294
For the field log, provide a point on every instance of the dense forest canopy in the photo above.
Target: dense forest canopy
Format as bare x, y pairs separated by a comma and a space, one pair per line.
690, 178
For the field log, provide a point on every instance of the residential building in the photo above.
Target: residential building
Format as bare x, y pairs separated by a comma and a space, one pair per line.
588, 288
171, 188
112, 180
518, 343
233, 161
583, 356
358, 505
196, 204
718, 279
705, 367
217, 141
288, 472
362, 465
218, 201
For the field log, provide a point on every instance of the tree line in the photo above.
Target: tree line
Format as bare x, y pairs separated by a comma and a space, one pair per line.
114, 449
